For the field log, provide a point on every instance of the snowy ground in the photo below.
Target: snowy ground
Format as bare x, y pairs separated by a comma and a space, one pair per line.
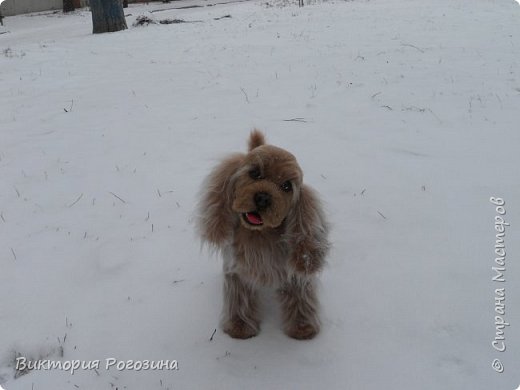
411, 113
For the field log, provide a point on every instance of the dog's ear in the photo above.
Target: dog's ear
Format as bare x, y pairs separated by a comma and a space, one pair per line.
215, 217
307, 233
256, 139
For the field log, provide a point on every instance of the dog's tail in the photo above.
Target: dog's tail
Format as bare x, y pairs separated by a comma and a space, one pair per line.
256, 139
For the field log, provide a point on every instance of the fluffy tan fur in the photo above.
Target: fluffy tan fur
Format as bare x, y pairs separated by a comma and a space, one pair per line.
271, 231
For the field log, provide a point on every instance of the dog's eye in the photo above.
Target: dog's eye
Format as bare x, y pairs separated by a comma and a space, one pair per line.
286, 186
255, 173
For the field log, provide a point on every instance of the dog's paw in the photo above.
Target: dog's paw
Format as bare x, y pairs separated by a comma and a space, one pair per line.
302, 330
239, 329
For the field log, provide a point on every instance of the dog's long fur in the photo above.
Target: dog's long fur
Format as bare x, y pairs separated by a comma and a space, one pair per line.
283, 245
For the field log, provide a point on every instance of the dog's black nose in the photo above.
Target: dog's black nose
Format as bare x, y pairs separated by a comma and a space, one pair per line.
262, 200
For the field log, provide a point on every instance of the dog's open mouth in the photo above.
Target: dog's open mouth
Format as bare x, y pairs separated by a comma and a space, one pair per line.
253, 218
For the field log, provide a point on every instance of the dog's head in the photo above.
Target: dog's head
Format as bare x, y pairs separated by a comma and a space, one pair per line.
262, 189
266, 185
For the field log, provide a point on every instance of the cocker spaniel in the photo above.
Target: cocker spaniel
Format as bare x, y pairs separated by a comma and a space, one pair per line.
271, 231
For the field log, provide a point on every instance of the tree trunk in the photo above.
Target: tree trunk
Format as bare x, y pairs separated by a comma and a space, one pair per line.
125, 3
107, 16
68, 5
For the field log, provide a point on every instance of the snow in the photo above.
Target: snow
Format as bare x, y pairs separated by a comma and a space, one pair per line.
403, 115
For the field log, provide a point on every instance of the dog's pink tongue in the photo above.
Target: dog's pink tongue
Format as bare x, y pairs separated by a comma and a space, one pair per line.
254, 218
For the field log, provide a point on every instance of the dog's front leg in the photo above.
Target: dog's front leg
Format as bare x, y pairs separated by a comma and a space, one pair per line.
299, 307
240, 315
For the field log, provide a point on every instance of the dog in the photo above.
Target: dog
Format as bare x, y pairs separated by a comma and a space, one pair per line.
271, 230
